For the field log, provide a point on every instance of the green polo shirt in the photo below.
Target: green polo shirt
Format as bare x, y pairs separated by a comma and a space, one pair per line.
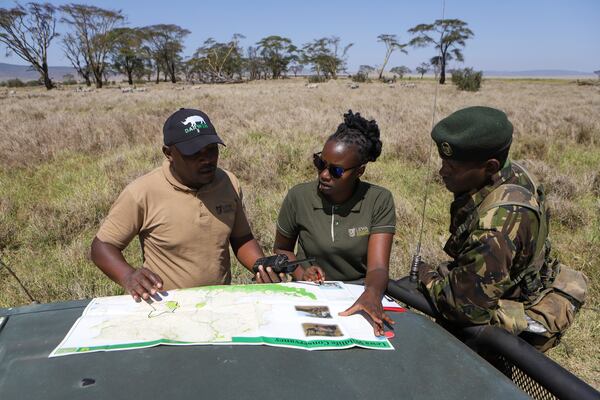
337, 235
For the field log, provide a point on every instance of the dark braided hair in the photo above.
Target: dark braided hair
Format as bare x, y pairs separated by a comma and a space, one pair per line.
362, 133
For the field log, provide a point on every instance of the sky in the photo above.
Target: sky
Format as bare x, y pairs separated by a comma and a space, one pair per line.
509, 35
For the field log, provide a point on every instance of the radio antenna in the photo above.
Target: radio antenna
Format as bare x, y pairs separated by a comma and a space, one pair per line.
416, 258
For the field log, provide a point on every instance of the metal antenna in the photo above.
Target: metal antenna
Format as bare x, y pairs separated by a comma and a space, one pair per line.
10, 271
416, 259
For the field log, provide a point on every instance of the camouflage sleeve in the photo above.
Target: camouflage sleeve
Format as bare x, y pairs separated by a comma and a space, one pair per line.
469, 293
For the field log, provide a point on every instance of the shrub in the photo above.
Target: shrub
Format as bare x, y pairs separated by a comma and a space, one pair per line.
69, 79
567, 213
34, 82
360, 77
316, 79
467, 79
15, 83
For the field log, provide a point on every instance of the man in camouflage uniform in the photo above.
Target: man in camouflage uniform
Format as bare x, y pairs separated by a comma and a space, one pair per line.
501, 272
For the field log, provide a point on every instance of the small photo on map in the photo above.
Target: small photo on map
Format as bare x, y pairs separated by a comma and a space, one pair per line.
313, 311
321, 330
331, 285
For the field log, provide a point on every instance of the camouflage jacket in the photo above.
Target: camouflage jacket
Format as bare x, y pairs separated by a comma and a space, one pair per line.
500, 254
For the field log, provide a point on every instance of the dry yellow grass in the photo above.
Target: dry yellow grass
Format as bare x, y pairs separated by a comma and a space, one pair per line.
64, 157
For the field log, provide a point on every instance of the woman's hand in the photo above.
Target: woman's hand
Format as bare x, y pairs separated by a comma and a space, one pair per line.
370, 304
314, 273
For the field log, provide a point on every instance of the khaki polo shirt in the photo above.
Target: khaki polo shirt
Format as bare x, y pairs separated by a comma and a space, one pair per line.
184, 233
337, 235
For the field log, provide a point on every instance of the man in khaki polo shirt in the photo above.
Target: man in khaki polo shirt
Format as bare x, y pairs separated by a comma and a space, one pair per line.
186, 212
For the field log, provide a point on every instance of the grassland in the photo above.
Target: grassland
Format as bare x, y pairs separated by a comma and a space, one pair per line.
65, 156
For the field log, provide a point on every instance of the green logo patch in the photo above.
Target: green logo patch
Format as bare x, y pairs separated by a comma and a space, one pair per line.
359, 231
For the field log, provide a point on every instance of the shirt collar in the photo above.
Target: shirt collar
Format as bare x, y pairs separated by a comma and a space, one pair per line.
497, 179
464, 204
168, 174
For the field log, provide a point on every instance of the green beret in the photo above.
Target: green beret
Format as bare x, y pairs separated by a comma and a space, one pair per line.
473, 134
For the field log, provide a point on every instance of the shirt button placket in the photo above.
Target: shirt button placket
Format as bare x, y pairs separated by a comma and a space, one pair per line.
334, 222
201, 208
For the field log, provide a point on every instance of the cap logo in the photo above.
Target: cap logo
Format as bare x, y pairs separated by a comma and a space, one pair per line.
446, 149
195, 122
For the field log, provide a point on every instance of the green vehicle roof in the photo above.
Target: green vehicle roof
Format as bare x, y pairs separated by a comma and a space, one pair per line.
427, 363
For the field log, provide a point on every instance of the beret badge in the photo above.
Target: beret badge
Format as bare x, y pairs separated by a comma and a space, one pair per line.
446, 149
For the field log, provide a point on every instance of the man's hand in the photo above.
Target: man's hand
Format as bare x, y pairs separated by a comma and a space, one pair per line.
426, 273
267, 275
370, 304
142, 283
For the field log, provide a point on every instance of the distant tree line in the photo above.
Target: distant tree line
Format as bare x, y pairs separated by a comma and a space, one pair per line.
98, 44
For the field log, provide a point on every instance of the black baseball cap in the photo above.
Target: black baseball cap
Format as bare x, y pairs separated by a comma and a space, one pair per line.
189, 130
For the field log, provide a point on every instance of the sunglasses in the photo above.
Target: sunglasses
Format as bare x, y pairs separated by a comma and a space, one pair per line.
334, 170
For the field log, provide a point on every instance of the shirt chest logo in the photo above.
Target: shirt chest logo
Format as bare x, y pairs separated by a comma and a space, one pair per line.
359, 231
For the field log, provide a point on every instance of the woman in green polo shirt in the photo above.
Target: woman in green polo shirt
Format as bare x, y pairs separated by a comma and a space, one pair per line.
345, 223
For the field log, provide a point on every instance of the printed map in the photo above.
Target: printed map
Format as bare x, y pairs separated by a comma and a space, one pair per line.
299, 315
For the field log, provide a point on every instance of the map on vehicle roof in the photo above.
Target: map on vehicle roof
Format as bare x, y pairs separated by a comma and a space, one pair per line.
298, 315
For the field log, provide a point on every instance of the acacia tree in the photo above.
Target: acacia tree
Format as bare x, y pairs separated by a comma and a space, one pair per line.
92, 26
339, 55
165, 42
253, 64
127, 53
233, 62
218, 62
148, 69
296, 68
400, 71
326, 55
277, 52
448, 35
72, 48
391, 43
422, 69
365, 70
435, 63
27, 32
